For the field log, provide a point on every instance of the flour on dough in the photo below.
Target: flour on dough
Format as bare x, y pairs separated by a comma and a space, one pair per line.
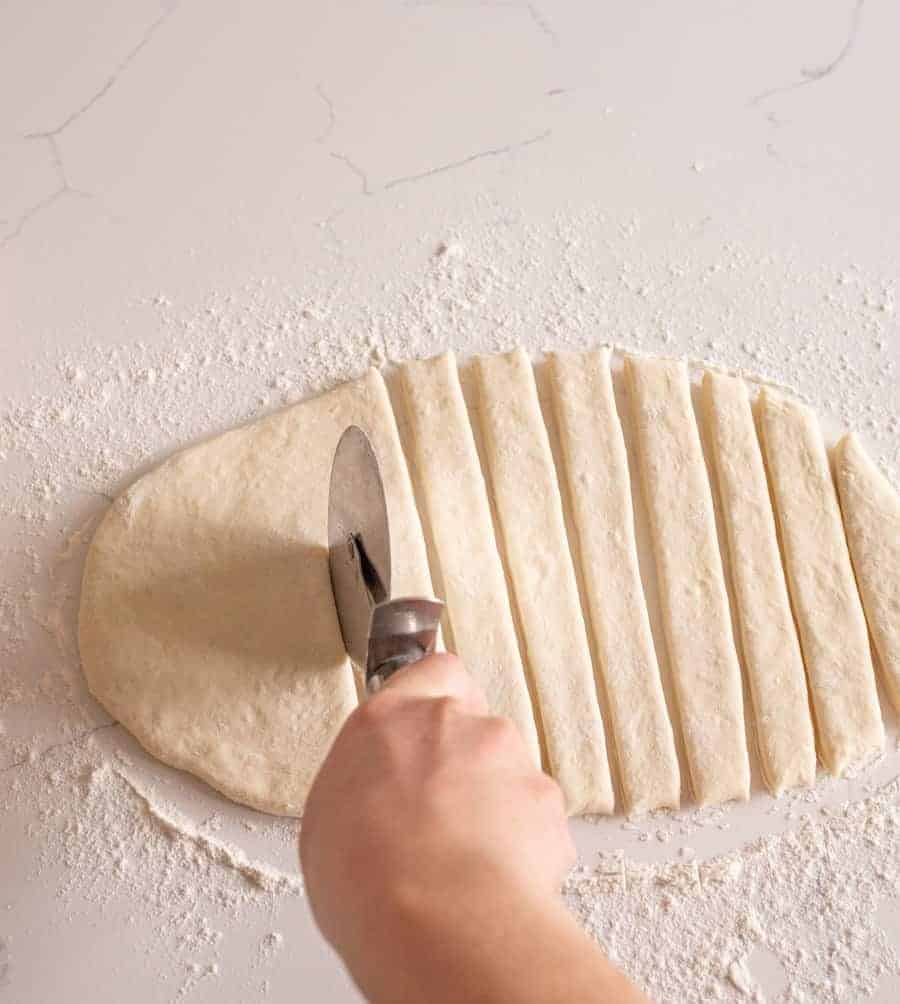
871, 511
455, 497
830, 620
692, 590
771, 648
207, 624
600, 492
545, 590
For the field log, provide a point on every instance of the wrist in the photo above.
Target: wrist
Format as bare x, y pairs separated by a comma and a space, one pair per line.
439, 938
484, 937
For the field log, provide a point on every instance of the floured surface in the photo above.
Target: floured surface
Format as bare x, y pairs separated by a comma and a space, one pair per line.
722, 929
107, 856
222, 259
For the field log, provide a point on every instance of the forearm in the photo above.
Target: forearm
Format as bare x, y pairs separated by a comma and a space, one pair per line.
489, 944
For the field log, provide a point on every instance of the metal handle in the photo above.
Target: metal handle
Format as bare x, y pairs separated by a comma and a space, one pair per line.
402, 632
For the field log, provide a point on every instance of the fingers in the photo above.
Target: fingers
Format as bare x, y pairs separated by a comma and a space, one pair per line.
436, 676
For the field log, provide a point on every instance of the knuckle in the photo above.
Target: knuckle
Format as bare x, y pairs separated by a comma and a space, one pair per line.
448, 674
499, 733
369, 723
445, 662
372, 714
445, 711
446, 671
502, 728
546, 791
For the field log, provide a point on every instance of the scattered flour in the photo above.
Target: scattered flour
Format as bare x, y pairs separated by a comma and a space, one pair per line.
180, 828
690, 928
686, 929
109, 847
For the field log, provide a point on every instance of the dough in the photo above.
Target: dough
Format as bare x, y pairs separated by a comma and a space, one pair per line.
691, 582
600, 492
545, 591
207, 623
771, 648
452, 487
829, 614
871, 510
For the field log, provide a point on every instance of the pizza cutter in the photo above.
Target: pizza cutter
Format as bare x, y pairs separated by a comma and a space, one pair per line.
381, 634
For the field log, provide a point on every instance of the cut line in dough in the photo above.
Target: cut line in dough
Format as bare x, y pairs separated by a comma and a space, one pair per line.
771, 648
544, 587
833, 634
871, 511
691, 581
596, 467
451, 484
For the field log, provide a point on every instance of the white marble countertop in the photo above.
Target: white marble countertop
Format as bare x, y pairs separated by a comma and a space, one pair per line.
716, 180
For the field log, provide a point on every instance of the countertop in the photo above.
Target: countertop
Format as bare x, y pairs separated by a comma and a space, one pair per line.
349, 184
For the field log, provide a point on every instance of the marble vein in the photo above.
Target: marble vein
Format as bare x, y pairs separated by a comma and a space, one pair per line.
481, 155
812, 74
356, 169
332, 116
540, 20
39, 207
542, 23
327, 224
110, 82
50, 136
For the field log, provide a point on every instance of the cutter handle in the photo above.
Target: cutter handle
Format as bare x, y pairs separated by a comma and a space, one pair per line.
402, 632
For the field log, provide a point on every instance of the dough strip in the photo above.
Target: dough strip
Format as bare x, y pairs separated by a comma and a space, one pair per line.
830, 619
545, 591
692, 591
600, 491
771, 649
871, 510
452, 487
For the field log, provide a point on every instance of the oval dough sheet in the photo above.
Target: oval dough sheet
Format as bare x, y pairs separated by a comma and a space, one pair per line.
207, 624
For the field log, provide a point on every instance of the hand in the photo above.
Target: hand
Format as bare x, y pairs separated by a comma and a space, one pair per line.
433, 851
425, 795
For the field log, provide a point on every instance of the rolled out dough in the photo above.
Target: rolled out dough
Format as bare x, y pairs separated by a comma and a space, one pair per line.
545, 590
871, 510
830, 618
207, 624
691, 580
771, 648
455, 497
600, 491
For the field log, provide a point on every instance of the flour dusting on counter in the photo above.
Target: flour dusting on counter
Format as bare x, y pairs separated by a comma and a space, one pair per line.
106, 834
689, 929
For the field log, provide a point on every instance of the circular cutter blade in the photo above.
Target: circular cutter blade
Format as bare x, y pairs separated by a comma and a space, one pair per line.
359, 545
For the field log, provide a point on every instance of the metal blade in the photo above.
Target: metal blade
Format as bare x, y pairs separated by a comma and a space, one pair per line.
359, 545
